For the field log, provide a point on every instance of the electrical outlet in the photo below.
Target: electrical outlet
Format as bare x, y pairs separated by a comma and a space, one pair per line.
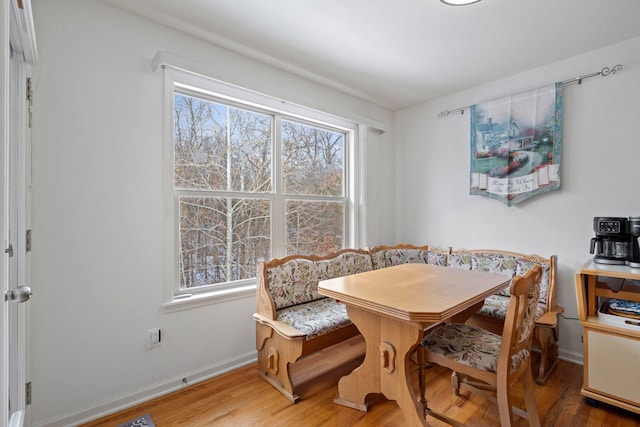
154, 337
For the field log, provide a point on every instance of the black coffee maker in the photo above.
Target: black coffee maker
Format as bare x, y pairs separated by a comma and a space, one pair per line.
634, 247
612, 242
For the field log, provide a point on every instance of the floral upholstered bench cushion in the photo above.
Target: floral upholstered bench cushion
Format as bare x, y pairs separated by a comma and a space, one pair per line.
316, 317
503, 263
388, 256
438, 256
296, 281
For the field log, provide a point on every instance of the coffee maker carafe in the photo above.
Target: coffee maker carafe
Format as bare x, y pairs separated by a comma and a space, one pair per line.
634, 247
612, 241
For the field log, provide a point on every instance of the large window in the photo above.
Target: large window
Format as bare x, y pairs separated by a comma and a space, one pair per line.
254, 181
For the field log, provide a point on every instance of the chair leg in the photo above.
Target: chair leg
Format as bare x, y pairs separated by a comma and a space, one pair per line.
455, 383
530, 400
503, 397
422, 399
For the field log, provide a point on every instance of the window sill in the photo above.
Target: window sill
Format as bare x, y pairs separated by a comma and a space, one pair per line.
209, 298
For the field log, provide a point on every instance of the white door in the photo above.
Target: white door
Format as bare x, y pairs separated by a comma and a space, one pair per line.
16, 249
15, 148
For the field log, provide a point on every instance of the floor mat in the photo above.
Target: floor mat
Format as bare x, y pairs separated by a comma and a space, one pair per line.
143, 421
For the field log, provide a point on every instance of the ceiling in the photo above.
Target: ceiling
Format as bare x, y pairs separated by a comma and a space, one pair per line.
397, 53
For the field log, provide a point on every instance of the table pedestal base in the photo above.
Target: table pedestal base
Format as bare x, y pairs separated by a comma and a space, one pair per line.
385, 368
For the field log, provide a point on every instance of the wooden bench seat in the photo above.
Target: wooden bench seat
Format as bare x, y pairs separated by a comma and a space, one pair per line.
292, 319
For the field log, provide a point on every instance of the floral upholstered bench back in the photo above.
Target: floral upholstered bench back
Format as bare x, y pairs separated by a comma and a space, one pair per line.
388, 256
295, 281
509, 264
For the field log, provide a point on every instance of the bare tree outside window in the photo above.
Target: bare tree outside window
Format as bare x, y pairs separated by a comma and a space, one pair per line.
314, 227
313, 165
312, 160
210, 251
224, 167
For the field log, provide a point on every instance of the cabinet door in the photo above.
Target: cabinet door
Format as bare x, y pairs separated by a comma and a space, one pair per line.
612, 365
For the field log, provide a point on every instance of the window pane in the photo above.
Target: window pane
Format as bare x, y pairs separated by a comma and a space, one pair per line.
222, 238
312, 160
218, 147
314, 227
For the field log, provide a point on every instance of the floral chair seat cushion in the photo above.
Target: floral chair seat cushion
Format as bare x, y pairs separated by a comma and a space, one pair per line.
470, 346
316, 317
496, 306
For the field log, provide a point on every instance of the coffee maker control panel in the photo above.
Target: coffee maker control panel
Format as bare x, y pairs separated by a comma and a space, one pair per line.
609, 226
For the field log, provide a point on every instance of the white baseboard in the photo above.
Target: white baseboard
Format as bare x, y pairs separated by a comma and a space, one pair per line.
134, 398
571, 357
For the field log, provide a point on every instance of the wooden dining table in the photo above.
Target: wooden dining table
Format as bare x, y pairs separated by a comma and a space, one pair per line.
391, 307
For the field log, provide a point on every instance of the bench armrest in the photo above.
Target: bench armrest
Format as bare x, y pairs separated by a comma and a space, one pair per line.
287, 331
550, 318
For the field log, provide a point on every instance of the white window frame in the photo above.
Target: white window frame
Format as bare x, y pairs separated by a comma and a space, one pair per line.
188, 82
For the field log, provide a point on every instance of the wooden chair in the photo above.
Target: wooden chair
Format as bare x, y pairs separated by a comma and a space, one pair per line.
497, 361
547, 332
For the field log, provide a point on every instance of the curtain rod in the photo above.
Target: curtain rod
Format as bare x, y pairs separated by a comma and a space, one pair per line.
604, 73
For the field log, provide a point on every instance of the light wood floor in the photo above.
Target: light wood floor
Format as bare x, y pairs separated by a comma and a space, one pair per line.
241, 398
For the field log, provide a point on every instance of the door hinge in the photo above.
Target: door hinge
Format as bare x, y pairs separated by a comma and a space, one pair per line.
29, 99
27, 242
27, 393
9, 250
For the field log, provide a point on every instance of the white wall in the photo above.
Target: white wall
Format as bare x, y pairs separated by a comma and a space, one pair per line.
599, 177
98, 212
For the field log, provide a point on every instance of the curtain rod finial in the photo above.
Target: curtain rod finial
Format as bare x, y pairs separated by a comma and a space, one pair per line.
606, 70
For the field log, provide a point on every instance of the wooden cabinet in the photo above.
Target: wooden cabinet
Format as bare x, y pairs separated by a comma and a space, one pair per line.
611, 345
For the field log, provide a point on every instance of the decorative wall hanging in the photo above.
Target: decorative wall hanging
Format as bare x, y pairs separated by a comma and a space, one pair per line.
516, 142
515, 145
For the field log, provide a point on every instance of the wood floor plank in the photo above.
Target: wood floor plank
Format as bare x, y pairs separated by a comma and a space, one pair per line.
242, 398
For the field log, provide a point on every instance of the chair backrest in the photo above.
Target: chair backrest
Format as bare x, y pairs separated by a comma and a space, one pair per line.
521, 315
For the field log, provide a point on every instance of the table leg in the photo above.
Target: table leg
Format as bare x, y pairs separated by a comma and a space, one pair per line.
385, 369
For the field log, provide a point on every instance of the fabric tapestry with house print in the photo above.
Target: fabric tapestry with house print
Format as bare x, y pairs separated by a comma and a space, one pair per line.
515, 145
